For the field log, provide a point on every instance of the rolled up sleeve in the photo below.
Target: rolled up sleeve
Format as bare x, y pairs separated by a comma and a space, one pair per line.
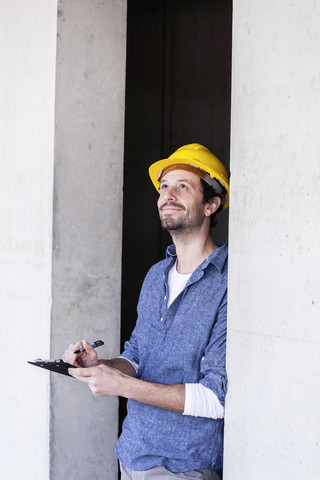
131, 351
213, 364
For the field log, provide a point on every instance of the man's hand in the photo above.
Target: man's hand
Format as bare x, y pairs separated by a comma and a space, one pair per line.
117, 377
101, 379
88, 358
106, 380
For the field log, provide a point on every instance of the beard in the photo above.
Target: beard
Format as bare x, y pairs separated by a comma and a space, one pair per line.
179, 222
168, 221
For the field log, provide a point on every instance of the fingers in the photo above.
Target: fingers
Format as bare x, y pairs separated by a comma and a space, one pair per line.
69, 356
86, 358
88, 376
95, 377
88, 372
85, 376
81, 373
89, 357
88, 347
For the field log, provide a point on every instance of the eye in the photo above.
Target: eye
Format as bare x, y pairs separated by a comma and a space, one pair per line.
183, 186
163, 186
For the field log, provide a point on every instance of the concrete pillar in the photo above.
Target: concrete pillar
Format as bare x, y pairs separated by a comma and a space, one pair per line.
27, 89
273, 357
60, 221
91, 55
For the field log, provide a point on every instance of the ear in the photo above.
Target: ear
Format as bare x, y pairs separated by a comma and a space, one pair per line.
212, 206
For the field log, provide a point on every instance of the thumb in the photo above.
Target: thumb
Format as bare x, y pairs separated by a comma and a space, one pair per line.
87, 346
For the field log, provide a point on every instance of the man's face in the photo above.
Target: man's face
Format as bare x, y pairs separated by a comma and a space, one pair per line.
180, 203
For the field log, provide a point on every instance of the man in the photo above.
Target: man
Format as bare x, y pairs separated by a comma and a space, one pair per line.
173, 367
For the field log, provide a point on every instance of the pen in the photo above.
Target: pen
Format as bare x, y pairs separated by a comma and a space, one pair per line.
96, 344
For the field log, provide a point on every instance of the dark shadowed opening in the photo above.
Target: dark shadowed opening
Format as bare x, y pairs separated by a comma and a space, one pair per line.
178, 86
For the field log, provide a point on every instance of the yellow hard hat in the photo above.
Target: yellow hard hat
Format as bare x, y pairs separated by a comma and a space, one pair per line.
198, 156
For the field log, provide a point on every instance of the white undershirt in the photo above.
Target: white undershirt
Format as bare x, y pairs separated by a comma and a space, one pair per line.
176, 283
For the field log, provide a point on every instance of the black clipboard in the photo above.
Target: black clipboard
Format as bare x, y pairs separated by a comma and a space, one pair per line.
58, 366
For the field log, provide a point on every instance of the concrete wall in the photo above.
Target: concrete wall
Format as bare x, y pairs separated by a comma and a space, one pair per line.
91, 56
60, 222
27, 83
272, 414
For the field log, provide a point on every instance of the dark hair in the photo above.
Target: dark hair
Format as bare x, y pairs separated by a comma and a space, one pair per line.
208, 193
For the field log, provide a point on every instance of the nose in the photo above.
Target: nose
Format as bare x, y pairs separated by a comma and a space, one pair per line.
168, 193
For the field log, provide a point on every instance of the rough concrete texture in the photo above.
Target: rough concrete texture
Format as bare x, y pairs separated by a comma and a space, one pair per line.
272, 410
27, 85
87, 226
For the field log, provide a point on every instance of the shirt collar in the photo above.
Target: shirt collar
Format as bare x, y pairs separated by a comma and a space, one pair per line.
217, 258
171, 251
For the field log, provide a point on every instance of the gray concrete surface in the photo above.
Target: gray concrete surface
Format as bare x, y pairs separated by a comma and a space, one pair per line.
87, 227
273, 356
27, 88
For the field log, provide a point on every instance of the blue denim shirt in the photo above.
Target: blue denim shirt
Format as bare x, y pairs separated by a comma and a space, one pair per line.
185, 343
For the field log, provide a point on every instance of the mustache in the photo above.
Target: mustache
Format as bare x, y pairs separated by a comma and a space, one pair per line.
171, 204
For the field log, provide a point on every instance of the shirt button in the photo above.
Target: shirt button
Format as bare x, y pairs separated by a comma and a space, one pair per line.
202, 359
161, 319
165, 297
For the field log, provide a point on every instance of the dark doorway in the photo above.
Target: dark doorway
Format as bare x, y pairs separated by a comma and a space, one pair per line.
177, 92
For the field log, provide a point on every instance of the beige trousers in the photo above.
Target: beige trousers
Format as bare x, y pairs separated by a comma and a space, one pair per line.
160, 473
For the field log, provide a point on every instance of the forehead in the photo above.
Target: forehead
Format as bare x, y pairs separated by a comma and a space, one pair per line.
181, 175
